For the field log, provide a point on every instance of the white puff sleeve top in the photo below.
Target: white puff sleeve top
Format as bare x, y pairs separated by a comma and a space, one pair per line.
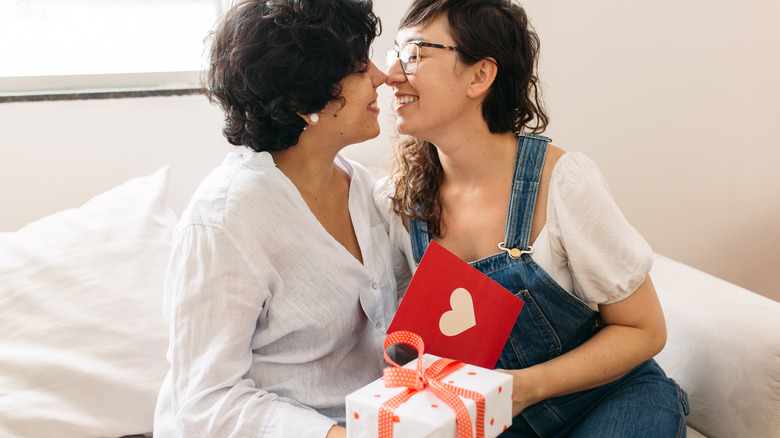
586, 245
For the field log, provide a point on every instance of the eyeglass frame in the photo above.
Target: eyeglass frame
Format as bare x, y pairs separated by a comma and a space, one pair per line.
393, 54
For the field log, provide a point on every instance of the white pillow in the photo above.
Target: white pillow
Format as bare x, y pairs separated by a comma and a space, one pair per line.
82, 337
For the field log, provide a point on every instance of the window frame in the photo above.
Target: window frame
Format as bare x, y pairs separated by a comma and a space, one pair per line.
103, 86
98, 86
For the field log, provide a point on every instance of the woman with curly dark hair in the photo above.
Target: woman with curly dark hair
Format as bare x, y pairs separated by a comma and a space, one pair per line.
475, 176
280, 288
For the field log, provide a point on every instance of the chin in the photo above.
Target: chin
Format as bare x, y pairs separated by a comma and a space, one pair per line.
404, 128
368, 135
375, 132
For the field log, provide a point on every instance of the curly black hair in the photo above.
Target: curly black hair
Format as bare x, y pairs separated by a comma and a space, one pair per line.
271, 60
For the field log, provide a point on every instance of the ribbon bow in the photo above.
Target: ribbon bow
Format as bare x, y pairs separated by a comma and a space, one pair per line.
421, 378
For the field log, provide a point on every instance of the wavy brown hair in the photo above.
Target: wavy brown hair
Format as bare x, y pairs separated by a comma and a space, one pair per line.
497, 29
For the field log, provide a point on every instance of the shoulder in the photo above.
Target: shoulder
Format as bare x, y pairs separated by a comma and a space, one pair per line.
383, 192
575, 163
554, 155
358, 173
577, 185
552, 158
243, 181
384, 189
577, 178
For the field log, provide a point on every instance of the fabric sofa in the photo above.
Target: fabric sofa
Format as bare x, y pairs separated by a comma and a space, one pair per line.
723, 348
91, 365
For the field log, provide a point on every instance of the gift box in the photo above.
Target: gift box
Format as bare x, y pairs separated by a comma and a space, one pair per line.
430, 397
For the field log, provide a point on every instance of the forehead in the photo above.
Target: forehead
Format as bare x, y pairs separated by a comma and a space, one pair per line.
437, 31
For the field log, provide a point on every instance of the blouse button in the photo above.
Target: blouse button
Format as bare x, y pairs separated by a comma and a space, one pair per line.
375, 286
378, 325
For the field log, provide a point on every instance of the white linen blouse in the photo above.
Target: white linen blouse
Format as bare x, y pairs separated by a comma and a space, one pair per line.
272, 321
586, 245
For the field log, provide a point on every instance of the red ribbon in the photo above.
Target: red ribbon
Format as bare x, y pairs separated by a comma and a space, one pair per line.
419, 379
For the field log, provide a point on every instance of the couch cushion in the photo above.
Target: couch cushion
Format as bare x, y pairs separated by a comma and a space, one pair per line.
82, 337
723, 348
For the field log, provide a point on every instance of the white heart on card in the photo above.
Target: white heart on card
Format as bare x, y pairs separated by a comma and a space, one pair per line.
461, 317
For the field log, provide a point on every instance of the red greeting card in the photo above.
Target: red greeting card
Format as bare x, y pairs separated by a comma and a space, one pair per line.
459, 312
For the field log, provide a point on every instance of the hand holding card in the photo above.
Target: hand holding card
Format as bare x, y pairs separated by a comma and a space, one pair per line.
459, 312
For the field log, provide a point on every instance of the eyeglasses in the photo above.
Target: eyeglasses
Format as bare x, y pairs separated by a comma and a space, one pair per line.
410, 54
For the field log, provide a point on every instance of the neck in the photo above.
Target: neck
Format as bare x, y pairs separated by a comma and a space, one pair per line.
478, 158
312, 170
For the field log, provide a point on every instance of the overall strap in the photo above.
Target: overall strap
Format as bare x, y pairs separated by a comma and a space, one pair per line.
420, 239
529, 162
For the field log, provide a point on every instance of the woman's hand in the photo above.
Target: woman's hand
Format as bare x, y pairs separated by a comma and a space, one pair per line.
522, 391
337, 432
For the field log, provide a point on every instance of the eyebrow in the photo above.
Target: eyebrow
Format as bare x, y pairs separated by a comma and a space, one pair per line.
416, 37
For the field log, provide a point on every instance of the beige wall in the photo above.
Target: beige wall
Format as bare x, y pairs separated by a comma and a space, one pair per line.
676, 101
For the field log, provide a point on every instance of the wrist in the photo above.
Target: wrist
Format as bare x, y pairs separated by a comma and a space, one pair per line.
527, 387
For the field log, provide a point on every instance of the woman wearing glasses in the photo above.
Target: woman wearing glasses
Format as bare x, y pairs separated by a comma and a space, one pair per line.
279, 288
474, 175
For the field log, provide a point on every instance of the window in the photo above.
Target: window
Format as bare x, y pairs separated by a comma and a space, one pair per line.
66, 45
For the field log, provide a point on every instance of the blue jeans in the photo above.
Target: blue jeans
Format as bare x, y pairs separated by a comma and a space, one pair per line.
643, 403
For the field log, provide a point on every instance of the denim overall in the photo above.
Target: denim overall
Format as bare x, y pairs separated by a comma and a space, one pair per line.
643, 403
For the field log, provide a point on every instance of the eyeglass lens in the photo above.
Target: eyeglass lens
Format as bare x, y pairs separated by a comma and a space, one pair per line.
409, 55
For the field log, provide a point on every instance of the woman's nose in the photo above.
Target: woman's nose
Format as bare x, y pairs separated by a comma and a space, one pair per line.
395, 73
378, 76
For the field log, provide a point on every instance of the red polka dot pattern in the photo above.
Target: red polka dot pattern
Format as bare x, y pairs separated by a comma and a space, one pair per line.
419, 379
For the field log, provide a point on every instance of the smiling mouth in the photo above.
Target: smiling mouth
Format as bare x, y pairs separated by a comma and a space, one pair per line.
403, 100
373, 105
